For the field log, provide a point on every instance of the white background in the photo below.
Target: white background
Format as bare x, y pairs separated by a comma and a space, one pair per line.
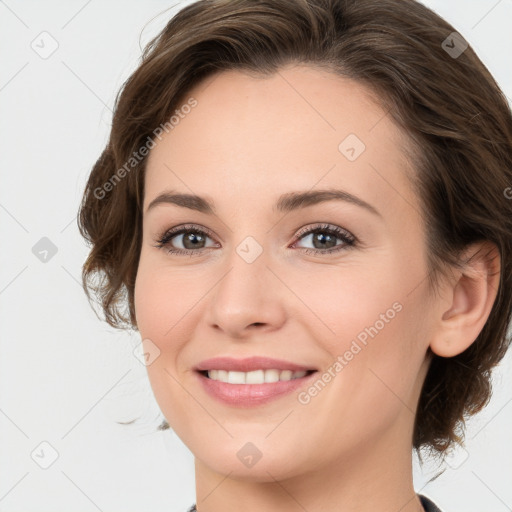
66, 377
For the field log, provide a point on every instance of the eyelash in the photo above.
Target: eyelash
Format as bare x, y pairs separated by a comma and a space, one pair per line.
348, 239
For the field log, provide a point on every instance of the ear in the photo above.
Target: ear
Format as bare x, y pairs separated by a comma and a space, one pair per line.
467, 300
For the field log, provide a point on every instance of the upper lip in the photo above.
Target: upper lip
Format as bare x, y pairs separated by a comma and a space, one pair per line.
249, 364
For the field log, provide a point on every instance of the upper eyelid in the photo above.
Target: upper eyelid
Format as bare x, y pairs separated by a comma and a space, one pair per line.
174, 231
325, 226
305, 230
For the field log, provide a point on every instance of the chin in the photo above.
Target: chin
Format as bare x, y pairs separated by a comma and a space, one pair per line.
250, 462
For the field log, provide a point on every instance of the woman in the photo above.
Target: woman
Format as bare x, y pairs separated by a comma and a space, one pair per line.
306, 208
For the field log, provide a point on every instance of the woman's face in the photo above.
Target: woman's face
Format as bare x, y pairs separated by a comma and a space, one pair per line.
257, 280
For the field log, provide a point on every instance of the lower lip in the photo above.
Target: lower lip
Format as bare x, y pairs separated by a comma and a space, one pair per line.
249, 395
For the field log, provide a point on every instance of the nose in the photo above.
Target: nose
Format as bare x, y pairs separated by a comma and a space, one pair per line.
248, 296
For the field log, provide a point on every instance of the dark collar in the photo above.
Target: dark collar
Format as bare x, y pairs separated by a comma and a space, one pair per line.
428, 505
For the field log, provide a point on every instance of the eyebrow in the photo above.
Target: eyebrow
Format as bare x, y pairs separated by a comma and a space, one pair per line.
286, 202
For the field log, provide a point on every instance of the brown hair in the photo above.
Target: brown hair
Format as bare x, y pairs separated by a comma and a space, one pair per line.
458, 122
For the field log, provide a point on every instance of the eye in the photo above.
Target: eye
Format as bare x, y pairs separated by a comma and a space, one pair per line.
191, 244
322, 236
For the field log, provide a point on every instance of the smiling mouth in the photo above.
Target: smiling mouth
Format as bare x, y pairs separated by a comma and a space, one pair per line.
307, 373
253, 388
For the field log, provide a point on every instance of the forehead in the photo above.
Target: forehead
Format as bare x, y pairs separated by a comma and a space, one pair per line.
302, 128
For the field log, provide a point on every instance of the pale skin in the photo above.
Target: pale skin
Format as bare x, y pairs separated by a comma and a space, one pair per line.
247, 142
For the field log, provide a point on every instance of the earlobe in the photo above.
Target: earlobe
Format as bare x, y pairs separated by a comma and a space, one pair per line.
472, 296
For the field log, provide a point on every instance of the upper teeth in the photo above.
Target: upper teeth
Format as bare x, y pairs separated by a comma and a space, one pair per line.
255, 377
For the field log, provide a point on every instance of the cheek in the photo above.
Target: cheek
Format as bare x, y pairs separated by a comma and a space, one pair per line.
163, 296
161, 307
375, 384
369, 321
153, 305
340, 303
167, 308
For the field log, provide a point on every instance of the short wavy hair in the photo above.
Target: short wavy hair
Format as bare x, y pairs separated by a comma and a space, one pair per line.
456, 118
